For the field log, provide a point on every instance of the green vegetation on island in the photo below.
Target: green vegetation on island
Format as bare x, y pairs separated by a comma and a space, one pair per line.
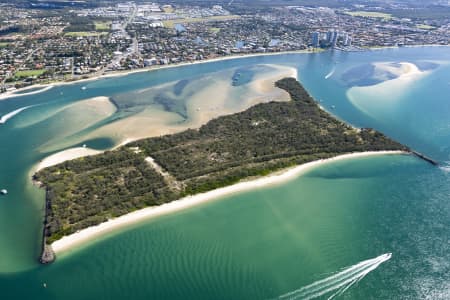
263, 139
370, 14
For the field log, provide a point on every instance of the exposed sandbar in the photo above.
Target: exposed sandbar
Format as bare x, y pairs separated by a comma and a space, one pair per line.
384, 95
14, 94
206, 98
62, 156
71, 119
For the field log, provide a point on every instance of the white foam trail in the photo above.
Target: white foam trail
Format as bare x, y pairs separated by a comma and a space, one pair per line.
445, 168
340, 281
331, 73
8, 116
12, 95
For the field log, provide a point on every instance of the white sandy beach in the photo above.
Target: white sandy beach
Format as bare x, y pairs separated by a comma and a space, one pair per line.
62, 156
12, 94
88, 234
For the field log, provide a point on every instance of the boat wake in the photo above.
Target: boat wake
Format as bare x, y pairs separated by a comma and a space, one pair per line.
24, 93
331, 73
8, 116
338, 282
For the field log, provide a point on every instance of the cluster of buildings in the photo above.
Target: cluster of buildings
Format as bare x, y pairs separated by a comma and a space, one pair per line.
201, 12
136, 35
339, 28
195, 41
330, 39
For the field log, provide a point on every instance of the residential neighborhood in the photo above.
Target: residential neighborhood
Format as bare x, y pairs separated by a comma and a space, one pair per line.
38, 45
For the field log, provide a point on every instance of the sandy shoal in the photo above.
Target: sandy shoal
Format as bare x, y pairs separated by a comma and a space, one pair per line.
404, 68
151, 122
62, 156
14, 94
387, 93
88, 234
205, 99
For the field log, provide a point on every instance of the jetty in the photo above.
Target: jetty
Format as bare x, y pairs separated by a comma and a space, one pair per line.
425, 158
47, 253
47, 256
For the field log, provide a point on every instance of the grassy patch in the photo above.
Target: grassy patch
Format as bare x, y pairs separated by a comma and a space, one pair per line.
370, 14
214, 29
3, 44
102, 26
29, 73
171, 23
85, 33
425, 27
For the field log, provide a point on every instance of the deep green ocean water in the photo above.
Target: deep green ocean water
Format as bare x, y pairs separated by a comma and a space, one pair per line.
328, 233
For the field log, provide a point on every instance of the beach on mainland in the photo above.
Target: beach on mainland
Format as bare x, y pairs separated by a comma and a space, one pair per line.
12, 94
46, 86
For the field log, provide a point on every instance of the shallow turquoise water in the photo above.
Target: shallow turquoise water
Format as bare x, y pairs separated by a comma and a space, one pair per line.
265, 243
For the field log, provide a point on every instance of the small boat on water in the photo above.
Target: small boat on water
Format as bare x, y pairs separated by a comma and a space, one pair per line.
3, 191
83, 88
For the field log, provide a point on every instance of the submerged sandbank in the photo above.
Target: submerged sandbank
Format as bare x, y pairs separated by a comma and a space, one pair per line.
150, 122
204, 98
88, 234
385, 95
70, 121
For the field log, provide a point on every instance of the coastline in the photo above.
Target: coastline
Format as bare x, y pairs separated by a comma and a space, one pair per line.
63, 156
377, 48
45, 87
88, 234
12, 94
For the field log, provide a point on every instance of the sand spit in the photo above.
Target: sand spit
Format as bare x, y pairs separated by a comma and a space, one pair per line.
13, 94
62, 156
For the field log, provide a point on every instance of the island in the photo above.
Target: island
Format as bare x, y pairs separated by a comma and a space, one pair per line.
265, 138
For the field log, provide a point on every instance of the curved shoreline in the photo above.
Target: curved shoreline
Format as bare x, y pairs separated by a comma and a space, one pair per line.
65, 155
46, 86
78, 152
88, 234
12, 94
